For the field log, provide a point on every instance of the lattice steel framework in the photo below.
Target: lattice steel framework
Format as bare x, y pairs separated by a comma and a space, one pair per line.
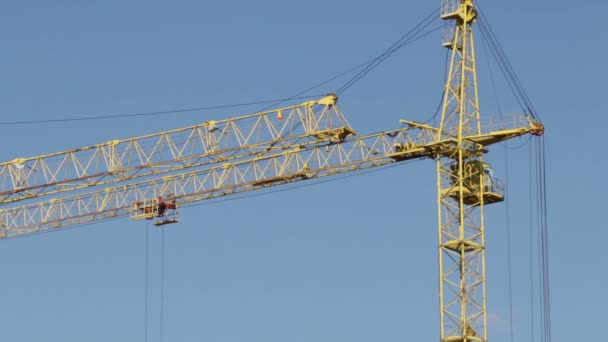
299, 163
461, 189
203, 144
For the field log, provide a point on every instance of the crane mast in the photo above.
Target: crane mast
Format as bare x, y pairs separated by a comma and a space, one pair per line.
462, 192
465, 185
149, 177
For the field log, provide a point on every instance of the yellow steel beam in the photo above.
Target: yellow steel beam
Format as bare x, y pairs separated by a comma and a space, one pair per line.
203, 144
461, 231
296, 164
293, 163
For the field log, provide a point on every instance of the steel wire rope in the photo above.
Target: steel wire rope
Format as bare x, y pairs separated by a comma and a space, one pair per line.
501, 56
408, 38
531, 242
365, 72
544, 243
445, 78
389, 51
510, 75
322, 83
546, 229
365, 64
509, 266
373, 62
507, 194
486, 40
171, 111
538, 239
491, 76
485, 26
538, 200
146, 282
162, 283
523, 99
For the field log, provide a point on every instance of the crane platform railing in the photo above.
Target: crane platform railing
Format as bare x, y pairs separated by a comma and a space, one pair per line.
449, 7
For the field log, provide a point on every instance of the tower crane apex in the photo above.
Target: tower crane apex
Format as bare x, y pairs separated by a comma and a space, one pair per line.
153, 175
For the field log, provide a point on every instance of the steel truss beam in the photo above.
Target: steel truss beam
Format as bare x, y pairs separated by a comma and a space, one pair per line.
207, 143
298, 163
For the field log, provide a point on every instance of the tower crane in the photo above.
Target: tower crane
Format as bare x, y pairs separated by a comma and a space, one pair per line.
150, 177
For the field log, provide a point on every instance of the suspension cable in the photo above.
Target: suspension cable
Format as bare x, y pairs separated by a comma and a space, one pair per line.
155, 113
509, 266
531, 245
544, 244
162, 282
440, 104
507, 204
506, 66
410, 37
146, 282
406, 39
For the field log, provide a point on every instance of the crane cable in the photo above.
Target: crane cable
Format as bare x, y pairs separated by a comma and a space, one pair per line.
523, 99
545, 303
162, 282
146, 283
531, 244
507, 194
538, 200
440, 104
153, 113
509, 266
410, 37
369, 65
366, 65
489, 37
506, 67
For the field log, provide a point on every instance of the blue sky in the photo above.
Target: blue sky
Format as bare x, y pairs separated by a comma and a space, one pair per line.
349, 260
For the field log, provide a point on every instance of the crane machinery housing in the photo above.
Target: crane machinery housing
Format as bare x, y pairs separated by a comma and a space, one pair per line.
150, 177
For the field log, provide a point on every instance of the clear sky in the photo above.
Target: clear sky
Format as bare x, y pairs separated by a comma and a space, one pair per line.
350, 260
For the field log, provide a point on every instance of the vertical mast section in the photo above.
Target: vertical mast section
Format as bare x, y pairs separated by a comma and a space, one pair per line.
460, 180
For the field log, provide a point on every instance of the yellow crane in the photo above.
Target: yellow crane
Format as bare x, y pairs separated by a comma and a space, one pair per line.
150, 177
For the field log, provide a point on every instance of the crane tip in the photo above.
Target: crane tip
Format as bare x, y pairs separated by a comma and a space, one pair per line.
537, 128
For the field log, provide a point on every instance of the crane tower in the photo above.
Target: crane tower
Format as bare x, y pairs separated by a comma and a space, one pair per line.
462, 189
